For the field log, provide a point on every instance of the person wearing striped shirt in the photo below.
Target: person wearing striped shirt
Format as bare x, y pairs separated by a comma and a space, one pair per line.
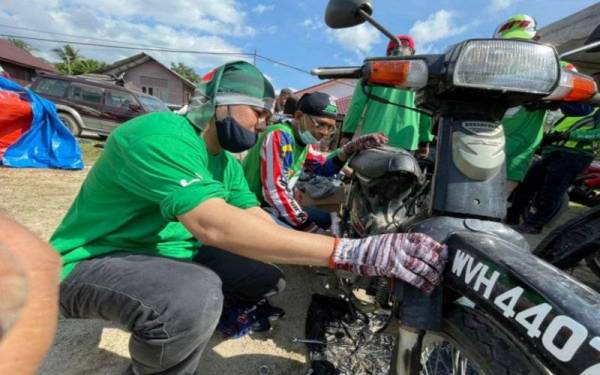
284, 150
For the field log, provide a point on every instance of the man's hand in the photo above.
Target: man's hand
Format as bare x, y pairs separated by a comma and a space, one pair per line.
24, 346
414, 257
364, 142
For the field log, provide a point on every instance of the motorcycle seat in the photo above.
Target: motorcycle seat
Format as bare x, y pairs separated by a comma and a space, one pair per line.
376, 163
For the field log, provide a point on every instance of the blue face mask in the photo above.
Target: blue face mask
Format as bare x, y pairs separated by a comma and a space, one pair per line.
234, 137
306, 136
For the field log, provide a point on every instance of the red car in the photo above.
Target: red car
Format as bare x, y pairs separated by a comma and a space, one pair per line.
95, 106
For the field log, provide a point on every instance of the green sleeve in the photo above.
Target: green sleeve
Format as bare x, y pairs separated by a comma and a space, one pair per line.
585, 135
355, 110
425, 125
170, 172
239, 192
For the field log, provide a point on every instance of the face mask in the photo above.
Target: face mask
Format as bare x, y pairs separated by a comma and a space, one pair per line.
234, 137
306, 136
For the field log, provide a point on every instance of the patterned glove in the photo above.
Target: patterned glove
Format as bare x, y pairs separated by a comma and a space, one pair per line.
414, 257
364, 142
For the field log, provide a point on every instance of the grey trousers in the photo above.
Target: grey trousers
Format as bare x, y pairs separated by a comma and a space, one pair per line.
171, 307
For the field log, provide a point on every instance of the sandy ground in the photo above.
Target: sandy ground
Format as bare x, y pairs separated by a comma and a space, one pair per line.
40, 198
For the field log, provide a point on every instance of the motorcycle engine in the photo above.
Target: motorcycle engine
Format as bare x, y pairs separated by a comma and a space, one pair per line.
387, 189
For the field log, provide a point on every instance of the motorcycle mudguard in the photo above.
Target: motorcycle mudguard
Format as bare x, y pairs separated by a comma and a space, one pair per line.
553, 315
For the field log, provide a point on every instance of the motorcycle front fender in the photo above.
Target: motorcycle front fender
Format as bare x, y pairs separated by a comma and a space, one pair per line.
553, 316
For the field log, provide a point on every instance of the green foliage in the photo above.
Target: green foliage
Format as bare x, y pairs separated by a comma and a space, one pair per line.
185, 71
22, 44
74, 63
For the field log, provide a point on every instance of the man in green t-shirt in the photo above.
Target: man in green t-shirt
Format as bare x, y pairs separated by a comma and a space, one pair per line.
165, 226
370, 111
284, 150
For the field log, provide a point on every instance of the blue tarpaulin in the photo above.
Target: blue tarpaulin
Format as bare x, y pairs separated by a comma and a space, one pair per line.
47, 143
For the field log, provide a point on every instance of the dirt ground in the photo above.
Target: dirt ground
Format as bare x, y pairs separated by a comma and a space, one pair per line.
40, 198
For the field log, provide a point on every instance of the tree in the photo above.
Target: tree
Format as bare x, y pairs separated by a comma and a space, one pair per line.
185, 71
22, 45
69, 57
83, 66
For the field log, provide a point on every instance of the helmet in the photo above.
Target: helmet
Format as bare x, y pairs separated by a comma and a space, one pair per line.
405, 40
567, 66
520, 26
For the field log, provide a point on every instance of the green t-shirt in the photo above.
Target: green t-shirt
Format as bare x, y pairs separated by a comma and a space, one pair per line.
405, 128
523, 130
153, 168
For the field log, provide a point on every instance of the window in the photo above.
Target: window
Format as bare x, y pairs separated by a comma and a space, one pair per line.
152, 104
53, 87
86, 93
118, 99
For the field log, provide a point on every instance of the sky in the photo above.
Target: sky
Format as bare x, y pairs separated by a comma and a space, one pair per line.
291, 32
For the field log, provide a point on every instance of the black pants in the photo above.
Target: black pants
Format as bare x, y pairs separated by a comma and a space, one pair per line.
550, 179
171, 307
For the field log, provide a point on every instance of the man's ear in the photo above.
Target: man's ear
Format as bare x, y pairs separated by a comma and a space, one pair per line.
298, 115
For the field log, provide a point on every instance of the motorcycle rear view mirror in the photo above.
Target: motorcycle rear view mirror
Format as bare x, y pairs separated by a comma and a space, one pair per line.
346, 13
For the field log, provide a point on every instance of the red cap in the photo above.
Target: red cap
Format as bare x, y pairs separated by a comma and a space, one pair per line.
406, 41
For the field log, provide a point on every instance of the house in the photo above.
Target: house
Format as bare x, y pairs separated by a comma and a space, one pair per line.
21, 65
144, 73
340, 89
575, 31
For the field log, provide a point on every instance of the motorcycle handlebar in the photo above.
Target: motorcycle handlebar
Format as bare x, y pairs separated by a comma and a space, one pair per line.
338, 72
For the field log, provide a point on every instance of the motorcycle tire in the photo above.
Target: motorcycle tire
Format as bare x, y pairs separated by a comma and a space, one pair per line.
487, 348
572, 241
593, 262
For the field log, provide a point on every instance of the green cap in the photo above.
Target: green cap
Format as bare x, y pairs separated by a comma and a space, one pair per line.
234, 83
521, 26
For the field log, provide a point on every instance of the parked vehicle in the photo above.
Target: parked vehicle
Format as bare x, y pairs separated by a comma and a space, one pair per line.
500, 310
586, 188
99, 107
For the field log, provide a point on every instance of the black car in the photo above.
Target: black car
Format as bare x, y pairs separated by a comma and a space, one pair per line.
99, 107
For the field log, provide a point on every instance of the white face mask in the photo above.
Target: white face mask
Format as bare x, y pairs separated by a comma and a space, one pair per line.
306, 136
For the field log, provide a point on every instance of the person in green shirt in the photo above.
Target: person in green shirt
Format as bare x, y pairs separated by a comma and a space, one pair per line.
165, 229
523, 126
405, 128
571, 148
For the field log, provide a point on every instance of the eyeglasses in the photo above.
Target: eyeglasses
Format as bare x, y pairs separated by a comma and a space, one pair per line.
330, 128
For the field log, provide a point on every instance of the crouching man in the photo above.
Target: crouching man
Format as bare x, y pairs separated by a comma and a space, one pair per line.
165, 226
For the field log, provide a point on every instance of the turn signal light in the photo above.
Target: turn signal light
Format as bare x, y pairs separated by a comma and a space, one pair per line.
398, 73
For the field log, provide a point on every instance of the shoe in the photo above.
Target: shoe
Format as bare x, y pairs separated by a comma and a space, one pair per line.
268, 311
528, 228
239, 320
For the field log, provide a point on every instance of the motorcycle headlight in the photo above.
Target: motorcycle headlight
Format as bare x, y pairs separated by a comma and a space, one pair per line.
507, 65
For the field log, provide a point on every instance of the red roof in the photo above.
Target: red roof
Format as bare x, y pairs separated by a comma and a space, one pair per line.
15, 55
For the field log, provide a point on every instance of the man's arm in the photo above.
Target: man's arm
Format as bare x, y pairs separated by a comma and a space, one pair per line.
260, 213
413, 257
216, 223
23, 348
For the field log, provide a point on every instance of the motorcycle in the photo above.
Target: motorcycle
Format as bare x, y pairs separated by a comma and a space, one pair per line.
501, 310
585, 189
